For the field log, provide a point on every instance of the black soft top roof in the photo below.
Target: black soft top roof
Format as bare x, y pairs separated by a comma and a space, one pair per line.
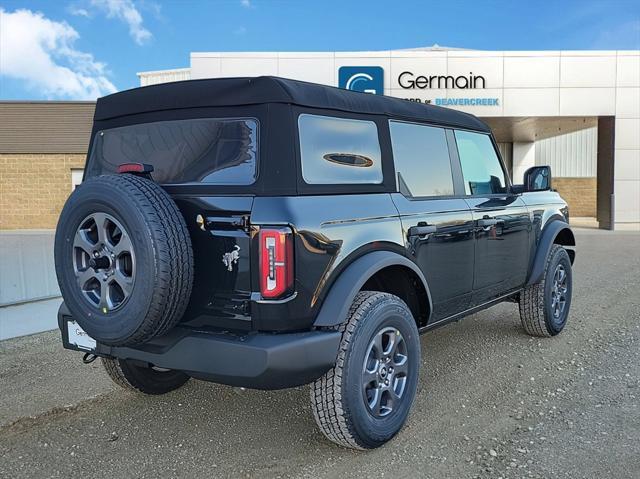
268, 89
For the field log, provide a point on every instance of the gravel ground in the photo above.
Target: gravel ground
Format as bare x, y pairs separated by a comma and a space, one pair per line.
492, 402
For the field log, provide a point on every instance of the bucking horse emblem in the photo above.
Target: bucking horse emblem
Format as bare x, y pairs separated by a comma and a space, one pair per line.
231, 258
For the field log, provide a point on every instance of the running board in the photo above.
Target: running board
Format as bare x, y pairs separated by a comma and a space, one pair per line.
467, 312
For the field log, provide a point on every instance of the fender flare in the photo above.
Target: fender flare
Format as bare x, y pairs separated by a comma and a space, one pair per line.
336, 304
547, 238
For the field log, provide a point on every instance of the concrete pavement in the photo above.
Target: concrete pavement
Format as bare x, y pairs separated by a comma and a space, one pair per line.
28, 318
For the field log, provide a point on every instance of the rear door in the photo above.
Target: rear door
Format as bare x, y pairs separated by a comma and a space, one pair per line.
501, 219
437, 225
221, 239
209, 166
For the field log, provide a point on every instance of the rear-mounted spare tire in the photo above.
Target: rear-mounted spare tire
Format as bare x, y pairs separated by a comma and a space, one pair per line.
123, 259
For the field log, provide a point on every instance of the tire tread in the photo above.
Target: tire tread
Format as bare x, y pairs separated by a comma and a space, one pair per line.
142, 380
329, 410
532, 301
172, 253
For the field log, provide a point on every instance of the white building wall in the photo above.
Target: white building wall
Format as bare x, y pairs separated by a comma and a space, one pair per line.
506, 151
526, 84
164, 76
28, 272
573, 155
524, 157
627, 140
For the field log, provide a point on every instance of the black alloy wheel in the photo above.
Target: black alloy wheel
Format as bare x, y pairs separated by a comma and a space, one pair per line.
384, 373
104, 262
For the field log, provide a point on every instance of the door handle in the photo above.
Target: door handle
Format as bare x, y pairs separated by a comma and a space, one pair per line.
422, 230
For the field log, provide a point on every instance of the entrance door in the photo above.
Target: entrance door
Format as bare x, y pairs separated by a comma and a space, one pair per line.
501, 219
438, 227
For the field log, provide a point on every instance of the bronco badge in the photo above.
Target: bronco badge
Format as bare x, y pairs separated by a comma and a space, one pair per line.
231, 257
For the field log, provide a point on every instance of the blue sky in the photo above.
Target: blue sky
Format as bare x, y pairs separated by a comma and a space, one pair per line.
80, 49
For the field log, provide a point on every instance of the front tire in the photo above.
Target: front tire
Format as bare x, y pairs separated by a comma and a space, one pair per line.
138, 378
364, 400
544, 306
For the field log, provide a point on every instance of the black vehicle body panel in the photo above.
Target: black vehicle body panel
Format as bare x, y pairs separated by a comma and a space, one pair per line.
354, 276
446, 256
258, 361
547, 239
462, 252
502, 249
329, 235
220, 298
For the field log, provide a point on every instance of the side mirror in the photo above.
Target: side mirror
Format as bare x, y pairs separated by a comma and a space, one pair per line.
537, 178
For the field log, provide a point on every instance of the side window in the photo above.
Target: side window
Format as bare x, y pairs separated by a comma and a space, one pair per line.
421, 158
481, 167
339, 150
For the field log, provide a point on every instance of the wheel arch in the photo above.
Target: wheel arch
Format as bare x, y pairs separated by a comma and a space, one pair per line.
556, 232
383, 271
565, 237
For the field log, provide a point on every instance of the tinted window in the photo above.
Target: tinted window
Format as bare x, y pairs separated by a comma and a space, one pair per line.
217, 151
422, 160
339, 150
480, 164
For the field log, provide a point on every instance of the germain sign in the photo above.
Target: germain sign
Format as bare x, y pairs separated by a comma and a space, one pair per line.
409, 80
365, 79
370, 79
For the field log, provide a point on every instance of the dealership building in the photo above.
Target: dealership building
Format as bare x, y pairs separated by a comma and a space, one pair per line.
577, 111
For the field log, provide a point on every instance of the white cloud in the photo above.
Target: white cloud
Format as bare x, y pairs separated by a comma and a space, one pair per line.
79, 12
246, 3
41, 52
127, 12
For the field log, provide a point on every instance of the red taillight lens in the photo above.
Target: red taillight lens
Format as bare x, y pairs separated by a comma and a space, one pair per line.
276, 262
135, 168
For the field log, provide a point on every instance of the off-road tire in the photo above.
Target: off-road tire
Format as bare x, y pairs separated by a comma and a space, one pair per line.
164, 258
142, 379
535, 300
336, 398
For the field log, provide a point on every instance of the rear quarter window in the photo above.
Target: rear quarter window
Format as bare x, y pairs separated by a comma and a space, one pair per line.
207, 150
339, 150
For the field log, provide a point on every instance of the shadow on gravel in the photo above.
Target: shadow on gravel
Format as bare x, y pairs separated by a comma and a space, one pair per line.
205, 425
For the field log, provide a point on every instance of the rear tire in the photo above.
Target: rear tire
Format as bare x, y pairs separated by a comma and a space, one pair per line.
143, 379
364, 400
544, 306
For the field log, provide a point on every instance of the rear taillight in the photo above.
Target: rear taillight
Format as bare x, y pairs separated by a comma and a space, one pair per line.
276, 262
139, 168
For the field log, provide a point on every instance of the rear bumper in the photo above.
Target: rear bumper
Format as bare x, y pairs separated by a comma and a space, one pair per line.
256, 360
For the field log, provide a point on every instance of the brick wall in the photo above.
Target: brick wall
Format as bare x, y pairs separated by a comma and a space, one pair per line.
579, 193
34, 187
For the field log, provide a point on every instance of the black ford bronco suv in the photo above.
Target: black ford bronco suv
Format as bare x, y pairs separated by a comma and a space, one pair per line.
269, 233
